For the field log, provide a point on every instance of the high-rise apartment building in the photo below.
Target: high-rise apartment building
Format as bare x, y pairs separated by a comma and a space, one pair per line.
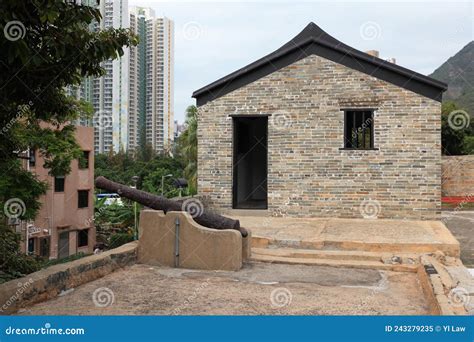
84, 92
133, 102
151, 114
110, 93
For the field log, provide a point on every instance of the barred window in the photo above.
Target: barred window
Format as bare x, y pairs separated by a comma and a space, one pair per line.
359, 129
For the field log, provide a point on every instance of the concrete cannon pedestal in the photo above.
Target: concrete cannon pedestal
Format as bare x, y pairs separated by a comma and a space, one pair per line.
199, 247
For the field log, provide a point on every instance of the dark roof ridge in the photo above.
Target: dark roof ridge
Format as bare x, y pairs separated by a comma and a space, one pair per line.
334, 50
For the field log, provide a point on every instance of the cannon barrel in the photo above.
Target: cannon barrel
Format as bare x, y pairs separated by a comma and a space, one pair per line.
202, 216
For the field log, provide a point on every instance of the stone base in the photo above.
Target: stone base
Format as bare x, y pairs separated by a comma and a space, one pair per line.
199, 247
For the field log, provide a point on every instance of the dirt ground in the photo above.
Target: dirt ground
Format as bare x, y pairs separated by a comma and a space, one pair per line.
257, 289
461, 225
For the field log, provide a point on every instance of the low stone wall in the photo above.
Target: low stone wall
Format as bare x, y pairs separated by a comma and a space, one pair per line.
199, 247
50, 282
457, 176
428, 291
447, 294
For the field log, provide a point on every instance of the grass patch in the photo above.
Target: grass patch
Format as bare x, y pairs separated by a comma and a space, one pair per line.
460, 206
73, 257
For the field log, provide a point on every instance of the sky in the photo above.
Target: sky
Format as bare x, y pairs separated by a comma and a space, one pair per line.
213, 39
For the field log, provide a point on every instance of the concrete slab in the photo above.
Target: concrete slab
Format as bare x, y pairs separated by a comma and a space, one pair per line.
257, 289
461, 225
377, 235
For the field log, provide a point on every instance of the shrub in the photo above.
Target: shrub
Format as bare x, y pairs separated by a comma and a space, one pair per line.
119, 239
64, 260
14, 263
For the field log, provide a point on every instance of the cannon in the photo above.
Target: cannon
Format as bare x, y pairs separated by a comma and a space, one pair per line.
202, 216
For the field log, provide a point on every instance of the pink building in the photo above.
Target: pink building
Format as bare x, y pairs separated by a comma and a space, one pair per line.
64, 225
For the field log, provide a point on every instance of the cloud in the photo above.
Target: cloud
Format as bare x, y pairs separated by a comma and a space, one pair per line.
421, 36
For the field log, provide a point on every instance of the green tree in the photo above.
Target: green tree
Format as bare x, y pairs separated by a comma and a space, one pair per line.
146, 153
46, 46
456, 136
121, 167
468, 144
152, 182
188, 148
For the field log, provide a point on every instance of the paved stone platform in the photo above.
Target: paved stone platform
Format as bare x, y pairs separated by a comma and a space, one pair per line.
371, 235
461, 225
257, 289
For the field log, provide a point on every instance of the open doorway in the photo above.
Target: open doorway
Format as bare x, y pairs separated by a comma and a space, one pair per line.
63, 244
250, 162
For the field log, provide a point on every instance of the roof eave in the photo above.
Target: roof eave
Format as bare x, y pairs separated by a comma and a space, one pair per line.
441, 86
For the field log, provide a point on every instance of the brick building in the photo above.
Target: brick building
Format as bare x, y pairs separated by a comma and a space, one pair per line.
64, 225
318, 128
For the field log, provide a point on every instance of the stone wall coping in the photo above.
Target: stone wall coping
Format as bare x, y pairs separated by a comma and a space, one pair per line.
49, 282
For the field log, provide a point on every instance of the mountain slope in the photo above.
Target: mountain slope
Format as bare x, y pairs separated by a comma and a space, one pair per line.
458, 73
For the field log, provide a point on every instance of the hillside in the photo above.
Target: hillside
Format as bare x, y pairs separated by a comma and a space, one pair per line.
458, 73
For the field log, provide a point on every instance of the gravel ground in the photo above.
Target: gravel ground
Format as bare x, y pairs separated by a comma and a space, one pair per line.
258, 289
461, 225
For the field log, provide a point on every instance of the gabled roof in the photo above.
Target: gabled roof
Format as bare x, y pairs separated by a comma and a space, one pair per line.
313, 40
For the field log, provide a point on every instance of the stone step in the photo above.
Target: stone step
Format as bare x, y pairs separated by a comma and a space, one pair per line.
365, 264
245, 212
379, 247
321, 254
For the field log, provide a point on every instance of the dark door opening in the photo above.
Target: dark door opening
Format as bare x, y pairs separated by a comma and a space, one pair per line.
44, 247
250, 163
63, 245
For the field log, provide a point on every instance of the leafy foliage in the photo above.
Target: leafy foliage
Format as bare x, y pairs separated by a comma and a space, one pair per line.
468, 144
46, 46
56, 49
13, 263
187, 148
119, 216
122, 166
455, 141
117, 221
112, 219
119, 239
73, 257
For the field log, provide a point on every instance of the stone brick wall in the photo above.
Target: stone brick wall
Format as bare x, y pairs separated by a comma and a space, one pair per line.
307, 173
458, 176
50, 282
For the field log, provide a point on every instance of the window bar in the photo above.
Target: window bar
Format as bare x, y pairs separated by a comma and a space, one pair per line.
364, 145
345, 130
372, 129
354, 132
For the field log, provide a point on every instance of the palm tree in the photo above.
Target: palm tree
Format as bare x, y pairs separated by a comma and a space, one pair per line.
188, 144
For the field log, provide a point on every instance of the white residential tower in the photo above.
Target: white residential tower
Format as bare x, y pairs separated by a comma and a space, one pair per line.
151, 116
